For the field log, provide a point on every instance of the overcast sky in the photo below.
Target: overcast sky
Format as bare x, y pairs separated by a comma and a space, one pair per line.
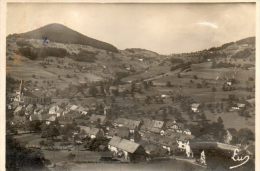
164, 28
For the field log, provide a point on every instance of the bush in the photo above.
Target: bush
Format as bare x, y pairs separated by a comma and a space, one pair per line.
23, 43
168, 84
214, 89
199, 85
28, 52
242, 54
85, 56
71, 156
35, 53
51, 51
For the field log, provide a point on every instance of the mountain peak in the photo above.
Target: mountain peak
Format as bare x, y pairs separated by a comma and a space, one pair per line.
62, 34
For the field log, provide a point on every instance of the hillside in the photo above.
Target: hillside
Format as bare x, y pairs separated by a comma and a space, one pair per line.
61, 67
62, 34
64, 60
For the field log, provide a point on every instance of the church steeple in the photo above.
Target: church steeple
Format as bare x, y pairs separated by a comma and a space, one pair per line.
21, 88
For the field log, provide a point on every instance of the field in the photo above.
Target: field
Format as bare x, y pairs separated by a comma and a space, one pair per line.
171, 165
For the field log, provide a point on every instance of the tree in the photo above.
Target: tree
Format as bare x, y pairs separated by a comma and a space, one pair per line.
245, 135
199, 85
220, 120
168, 84
35, 126
93, 91
19, 157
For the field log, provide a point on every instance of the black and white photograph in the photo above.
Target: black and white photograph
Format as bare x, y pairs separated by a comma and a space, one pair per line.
130, 86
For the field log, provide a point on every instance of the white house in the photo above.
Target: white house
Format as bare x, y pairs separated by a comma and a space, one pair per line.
91, 132
195, 107
54, 109
125, 149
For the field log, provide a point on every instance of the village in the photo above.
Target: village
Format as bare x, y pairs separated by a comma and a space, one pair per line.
61, 125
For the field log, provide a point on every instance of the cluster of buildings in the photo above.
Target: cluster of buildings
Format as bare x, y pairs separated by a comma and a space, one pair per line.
128, 139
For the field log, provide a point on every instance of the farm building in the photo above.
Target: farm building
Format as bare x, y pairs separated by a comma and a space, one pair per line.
129, 123
98, 118
29, 109
91, 132
152, 126
195, 107
54, 109
126, 150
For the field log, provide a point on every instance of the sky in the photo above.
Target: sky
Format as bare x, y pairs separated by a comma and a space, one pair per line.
163, 28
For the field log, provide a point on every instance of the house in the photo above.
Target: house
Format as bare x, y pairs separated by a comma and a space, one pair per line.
173, 125
53, 110
195, 107
73, 107
91, 132
39, 110
98, 119
238, 106
241, 105
129, 123
60, 112
155, 126
37, 117
126, 150
183, 141
19, 110
113, 90
187, 131
229, 83
29, 109
166, 142
50, 119
107, 110
83, 110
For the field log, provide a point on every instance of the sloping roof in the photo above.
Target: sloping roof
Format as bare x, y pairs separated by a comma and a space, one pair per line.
129, 123
241, 105
152, 125
73, 107
147, 123
124, 144
128, 146
90, 131
114, 141
36, 118
251, 101
54, 109
18, 109
195, 105
158, 124
29, 107
52, 118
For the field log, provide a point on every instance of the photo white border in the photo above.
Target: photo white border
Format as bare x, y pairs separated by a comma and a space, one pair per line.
3, 10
